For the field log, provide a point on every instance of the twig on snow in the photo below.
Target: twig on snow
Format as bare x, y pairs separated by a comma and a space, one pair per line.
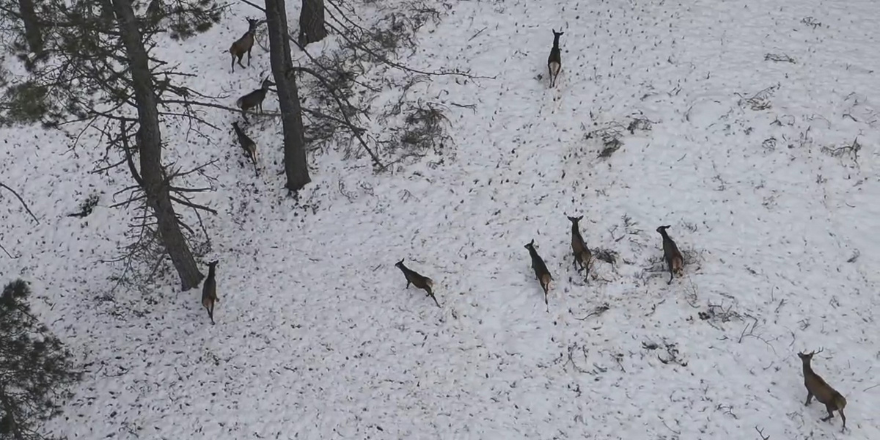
761, 434
596, 312
2, 185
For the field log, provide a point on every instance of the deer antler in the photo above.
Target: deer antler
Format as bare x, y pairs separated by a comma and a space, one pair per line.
813, 352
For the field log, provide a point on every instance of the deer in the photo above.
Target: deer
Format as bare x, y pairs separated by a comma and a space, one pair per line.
817, 387
554, 62
674, 260
248, 145
582, 255
418, 280
209, 290
254, 99
541, 272
245, 43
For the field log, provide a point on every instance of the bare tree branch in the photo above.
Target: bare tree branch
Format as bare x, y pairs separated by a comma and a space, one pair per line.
356, 131
2, 185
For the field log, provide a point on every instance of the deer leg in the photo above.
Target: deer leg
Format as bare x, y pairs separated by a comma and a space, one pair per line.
249, 56
232, 63
239, 60
809, 398
843, 417
830, 413
407, 284
671, 275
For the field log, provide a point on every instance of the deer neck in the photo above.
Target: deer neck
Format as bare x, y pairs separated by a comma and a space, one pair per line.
808, 370
211, 272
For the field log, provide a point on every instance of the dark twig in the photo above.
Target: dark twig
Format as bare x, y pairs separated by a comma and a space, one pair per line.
761, 434
2, 185
356, 131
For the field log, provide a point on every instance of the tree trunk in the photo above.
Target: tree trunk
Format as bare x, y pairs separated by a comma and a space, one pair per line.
32, 31
295, 162
150, 143
311, 22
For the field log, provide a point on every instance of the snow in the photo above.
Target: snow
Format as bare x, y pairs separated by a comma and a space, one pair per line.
316, 336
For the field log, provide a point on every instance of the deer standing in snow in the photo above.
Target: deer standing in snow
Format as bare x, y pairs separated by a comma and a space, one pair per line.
541, 272
247, 144
554, 62
245, 43
209, 290
418, 280
674, 260
254, 99
581, 252
817, 387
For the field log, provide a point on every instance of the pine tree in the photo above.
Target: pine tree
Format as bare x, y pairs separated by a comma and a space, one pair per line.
35, 370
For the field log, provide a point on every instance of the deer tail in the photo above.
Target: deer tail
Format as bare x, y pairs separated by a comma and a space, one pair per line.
429, 282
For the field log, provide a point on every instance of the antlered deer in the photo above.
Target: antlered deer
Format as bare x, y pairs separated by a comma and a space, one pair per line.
245, 43
817, 387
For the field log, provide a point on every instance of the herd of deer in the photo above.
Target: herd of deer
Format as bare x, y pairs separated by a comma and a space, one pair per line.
816, 386
253, 99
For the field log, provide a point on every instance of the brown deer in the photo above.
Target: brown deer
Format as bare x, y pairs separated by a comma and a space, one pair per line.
554, 62
582, 255
674, 260
248, 145
420, 281
254, 99
209, 290
816, 386
541, 272
245, 43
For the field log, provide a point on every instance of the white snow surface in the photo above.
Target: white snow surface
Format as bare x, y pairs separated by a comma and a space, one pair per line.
316, 336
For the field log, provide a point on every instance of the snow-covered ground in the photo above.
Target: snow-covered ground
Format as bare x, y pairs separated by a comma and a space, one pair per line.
316, 337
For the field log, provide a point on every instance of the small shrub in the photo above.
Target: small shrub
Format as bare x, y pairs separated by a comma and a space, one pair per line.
424, 130
609, 137
86, 207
